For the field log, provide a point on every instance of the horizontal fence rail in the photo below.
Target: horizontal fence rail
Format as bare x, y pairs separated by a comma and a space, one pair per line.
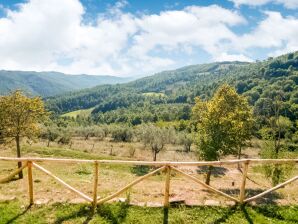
149, 163
166, 166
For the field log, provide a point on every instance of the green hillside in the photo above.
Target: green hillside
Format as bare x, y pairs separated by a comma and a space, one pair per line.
50, 83
169, 95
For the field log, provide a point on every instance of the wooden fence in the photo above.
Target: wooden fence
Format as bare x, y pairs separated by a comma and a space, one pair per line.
168, 167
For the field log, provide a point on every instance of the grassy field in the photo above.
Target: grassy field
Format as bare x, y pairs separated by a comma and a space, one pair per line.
15, 212
150, 192
55, 204
83, 113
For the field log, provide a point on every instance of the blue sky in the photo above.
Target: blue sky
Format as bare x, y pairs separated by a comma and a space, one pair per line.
138, 37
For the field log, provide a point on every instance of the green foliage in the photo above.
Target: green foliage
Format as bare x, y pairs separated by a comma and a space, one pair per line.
140, 170
155, 137
275, 134
20, 115
224, 123
185, 139
147, 113
83, 169
121, 133
89, 131
277, 173
50, 133
65, 139
169, 96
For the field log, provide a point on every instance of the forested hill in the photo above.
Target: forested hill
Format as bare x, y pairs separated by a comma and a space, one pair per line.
50, 83
160, 93
160, 85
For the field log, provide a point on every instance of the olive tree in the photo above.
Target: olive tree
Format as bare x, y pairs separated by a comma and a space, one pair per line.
154, 137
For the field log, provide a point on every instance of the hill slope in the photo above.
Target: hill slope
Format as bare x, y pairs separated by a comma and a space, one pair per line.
173, 92
51, 83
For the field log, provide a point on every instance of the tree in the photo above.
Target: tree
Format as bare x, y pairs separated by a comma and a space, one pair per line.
223, 124
20, 117
186, 140
121, 133
276, 128
155, 137
50, 133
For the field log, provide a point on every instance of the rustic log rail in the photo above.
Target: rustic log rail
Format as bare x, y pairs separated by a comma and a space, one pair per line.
166, 166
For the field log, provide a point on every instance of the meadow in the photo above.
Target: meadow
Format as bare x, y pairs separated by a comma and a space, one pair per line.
148, 193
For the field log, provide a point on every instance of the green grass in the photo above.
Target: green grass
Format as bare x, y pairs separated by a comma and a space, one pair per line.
14, 212
73, 154
61, 153
154, 94
74, 114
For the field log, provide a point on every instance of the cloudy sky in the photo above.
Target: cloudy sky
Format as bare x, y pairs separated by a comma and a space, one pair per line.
140, 37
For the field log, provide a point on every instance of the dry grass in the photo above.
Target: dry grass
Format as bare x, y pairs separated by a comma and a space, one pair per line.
113, 177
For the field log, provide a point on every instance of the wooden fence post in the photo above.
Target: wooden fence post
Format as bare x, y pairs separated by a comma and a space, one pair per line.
94, 203
30, 182
242, 187
167, 195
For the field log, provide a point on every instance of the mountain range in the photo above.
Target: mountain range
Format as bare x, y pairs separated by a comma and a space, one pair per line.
51, 83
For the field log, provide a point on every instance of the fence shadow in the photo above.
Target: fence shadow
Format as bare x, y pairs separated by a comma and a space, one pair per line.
82, 212
112, 213
268, 198
216, 171
115, 214
19, 215
226, 215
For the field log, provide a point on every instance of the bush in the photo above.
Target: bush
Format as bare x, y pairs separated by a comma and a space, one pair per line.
50, 133
186, 140
83, 169
140, 170
122, 134
64, 139
90, 131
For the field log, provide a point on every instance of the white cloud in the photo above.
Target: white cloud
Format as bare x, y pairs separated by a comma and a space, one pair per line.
290, 4
274, 32
232, 57
205, 27
51, 35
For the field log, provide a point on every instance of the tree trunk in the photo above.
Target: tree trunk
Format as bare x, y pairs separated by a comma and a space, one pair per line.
48, 145
154, 155
208, 175
187, 148
19, 156
276, 175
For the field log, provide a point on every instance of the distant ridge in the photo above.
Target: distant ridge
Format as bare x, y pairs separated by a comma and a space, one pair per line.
168, 90
51, 83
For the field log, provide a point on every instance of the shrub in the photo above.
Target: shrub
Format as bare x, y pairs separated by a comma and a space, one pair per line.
140, 170
122, 134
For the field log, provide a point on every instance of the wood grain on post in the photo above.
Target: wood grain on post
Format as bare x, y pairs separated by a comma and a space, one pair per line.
242, 187
94, 203
167, 187
30, 182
